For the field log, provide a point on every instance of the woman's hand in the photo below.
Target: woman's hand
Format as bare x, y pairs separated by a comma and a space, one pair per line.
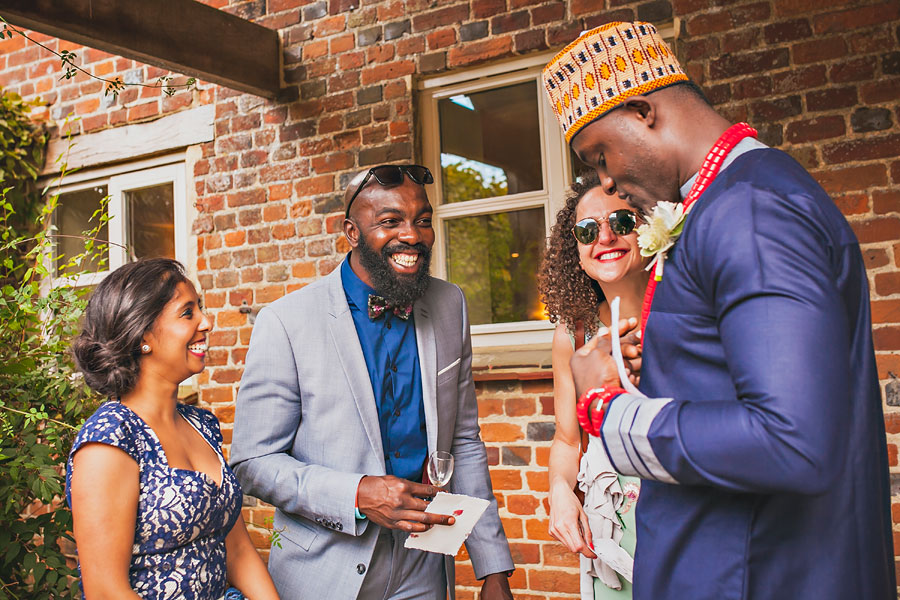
568, 523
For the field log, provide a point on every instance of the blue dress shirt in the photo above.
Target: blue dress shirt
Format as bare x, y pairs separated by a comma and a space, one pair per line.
392, 359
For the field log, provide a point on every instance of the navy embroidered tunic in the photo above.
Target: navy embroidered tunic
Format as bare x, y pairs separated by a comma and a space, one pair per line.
183, 516
392, 359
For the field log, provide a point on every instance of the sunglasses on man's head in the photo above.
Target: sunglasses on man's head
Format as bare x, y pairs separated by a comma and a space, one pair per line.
393, 175
621, 222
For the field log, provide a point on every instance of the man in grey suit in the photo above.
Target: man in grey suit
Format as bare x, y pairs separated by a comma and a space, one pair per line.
349, 384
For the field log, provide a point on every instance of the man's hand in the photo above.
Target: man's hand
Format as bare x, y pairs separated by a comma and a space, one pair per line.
398, 504
593, 365
496, 587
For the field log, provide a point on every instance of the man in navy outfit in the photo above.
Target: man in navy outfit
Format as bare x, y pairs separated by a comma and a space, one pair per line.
761, 437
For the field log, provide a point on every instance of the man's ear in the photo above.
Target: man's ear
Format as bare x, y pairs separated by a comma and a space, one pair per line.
351, 231
641, 107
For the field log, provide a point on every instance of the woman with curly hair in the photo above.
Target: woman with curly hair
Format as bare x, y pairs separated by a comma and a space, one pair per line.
592, 256
155, 507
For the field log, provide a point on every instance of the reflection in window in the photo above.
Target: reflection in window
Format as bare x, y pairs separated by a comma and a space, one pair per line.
151, 227
490, 143
74, 216
494, 259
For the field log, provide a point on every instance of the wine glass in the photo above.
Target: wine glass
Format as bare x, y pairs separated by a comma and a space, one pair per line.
440, 468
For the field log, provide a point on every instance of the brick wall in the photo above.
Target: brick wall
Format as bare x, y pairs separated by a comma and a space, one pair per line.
819, 79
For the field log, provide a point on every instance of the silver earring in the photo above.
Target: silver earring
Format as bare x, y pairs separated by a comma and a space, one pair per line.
145, 348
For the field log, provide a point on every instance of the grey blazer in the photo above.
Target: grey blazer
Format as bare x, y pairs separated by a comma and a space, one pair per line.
306, 430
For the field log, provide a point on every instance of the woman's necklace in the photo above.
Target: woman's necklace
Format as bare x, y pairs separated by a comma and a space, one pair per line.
708, 171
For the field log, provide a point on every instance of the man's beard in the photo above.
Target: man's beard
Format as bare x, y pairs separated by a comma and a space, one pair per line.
393, 287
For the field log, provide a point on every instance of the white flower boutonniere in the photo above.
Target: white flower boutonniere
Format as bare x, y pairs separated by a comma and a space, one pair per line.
659, 233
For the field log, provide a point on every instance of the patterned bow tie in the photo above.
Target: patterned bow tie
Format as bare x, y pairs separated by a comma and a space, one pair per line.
378, 306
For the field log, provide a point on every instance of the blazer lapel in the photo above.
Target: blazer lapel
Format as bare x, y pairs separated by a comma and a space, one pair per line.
427, 347
346, 342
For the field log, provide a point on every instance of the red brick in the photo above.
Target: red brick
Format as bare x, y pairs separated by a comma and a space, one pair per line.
818, 50
507, 22
538, 529
856, 18
226, 375
875, 257
230, 318
542, 456
329, 25
501, 432
738, 41
888, 362
488, 407
831, 99
478, 51
519, 407
858, 69
549, 580
441, 17
142, 111
887, 284
216, 395
852, 179
877, 229
303, 270
337, 161
853, 204
537, 386
818, 128
487, 8
235, 238
530, 40
538, 481
795, 7
274, 212
892, 458
749, 63
709, 22
883, 90
870, 148
525, 553
269, 294
441, 38
521, 504
557, 555
388, 71
886, 201
506, 479
885, 311
886, 337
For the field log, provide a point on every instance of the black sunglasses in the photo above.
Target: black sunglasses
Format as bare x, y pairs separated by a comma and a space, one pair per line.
621, 222
393, 175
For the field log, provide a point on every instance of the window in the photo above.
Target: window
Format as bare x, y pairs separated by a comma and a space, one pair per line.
147, 214
501, 169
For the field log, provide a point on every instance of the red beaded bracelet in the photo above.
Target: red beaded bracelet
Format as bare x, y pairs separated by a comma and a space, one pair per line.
592, 422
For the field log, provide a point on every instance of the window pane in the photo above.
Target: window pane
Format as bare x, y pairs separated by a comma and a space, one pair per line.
494, 259
151, 222
73, 219
490, 143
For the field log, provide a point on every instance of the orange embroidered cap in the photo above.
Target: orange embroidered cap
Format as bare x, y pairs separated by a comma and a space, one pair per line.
604, 66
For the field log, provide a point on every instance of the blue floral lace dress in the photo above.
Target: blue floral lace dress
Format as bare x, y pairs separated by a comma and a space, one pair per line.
183, 516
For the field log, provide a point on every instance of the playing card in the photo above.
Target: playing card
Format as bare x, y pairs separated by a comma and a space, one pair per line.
446, 539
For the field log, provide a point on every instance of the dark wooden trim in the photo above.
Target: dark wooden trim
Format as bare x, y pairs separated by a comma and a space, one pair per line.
182, 36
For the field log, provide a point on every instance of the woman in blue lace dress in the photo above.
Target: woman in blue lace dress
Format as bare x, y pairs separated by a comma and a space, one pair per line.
156, 509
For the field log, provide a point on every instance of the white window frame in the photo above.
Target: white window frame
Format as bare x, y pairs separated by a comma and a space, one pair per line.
556, 176
118, 180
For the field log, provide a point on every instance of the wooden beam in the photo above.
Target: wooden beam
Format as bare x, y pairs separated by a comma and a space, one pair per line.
183, 36
128, 142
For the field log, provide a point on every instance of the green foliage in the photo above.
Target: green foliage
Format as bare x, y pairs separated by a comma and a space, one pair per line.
42, 399
21, 158
462, 183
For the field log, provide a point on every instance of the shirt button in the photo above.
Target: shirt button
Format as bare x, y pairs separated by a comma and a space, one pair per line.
360, 568
397, 413
388, 324
397, 454
394, 368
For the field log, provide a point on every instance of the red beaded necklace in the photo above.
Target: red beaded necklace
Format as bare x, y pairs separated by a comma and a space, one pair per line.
708, 171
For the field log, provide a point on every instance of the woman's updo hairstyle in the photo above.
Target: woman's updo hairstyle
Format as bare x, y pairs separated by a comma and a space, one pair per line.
120, 311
